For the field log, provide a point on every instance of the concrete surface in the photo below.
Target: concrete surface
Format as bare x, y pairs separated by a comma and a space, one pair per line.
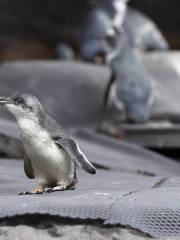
46, 227
66, 232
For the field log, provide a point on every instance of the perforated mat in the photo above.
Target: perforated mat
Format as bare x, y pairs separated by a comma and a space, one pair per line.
133, 187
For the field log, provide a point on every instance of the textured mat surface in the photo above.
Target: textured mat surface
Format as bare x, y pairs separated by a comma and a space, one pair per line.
132, 187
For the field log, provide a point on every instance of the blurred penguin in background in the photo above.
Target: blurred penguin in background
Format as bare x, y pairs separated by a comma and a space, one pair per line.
64, 52
143, 33
101, 28
105, 21
131, 89
115, 33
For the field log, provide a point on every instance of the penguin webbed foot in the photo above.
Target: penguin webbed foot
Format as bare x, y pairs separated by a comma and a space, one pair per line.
37, 190
55, 189
60, 187
42, 189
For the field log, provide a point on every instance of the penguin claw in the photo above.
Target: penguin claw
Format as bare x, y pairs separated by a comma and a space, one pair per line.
25, 193
48, 190
29, 193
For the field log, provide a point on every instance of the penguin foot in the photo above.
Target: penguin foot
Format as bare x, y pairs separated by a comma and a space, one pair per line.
54, 189
37, 190
61, 187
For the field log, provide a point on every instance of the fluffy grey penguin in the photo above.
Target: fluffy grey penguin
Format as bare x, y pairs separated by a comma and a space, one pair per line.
142, 32
49, 155
131, 89
101, 26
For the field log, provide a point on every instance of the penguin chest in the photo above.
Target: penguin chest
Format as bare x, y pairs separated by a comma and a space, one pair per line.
49, 161
44, 152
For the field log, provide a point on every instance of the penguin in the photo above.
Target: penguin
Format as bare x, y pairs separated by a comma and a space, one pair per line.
50, 155
142, 32
98, 34
131, 89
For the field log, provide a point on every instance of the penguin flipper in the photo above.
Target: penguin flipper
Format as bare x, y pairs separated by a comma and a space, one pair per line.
28, 168
72, 149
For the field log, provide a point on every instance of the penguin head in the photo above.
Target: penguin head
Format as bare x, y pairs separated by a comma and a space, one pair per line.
22, 105
138, 113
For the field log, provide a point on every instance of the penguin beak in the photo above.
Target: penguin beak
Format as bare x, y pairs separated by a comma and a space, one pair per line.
5, 100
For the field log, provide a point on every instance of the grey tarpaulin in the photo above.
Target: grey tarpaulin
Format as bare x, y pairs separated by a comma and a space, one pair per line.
132, 186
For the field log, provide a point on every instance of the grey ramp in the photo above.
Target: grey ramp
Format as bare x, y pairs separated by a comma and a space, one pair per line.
123, 156
122, 192
73, 92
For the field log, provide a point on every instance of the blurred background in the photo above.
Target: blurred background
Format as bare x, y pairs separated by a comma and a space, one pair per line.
31, 29
38, 30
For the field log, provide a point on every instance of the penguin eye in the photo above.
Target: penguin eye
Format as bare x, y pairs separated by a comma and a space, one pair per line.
19, 101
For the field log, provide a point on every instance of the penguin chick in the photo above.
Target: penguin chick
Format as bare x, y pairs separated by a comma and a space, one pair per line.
50, 156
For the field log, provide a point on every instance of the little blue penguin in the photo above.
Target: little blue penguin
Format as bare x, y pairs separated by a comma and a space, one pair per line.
131, 89
105, 21
98, 35
49, 155
142, 32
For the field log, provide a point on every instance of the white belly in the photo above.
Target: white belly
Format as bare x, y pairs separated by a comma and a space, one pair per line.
50, 162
